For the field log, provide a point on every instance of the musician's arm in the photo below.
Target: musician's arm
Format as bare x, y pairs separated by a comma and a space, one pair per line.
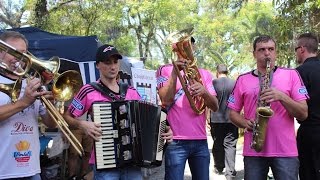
71, 120
168, 91
48, 121
210, 101
91, 128
8, 110
238, 120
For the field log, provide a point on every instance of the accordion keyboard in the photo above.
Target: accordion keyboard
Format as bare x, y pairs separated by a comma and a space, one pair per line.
105, 150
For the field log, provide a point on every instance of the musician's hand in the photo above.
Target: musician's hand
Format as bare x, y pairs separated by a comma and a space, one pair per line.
31, 91
92, 129
271, 94
47, 94
249, 125
168, 135
197, 89
180, 61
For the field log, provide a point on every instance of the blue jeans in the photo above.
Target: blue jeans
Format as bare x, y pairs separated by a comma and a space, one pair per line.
35, 177
130, 173
197, 154
283, 168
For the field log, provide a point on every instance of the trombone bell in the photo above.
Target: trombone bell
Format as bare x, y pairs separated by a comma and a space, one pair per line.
66, 85
12, 90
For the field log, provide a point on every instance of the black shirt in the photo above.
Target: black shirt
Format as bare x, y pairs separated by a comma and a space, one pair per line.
310, 74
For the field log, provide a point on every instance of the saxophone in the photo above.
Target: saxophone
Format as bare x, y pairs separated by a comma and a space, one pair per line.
263, 114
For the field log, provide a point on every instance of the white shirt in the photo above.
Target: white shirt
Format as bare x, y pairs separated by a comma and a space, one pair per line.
19, 134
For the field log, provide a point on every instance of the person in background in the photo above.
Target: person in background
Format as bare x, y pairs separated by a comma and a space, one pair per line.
308, 136
78, 168
224, 133
286, 95
19, 132
107, 62
189, 128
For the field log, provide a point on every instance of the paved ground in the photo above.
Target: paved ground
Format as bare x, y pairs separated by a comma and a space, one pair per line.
158, 173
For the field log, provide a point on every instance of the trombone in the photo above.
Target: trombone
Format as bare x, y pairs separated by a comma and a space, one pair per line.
65, 85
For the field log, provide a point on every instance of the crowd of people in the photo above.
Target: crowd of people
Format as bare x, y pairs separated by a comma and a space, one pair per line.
291, 94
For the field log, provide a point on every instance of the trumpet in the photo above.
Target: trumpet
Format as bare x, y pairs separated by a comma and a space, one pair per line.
65, 85
182, 41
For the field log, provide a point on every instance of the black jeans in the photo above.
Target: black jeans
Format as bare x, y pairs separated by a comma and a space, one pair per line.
308, 139
225, 137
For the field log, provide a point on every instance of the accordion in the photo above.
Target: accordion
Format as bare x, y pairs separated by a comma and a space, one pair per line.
131, 134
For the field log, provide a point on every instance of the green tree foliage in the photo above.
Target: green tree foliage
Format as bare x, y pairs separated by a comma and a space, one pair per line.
223, 29
12, 13
226, 38
151, 21
295, 17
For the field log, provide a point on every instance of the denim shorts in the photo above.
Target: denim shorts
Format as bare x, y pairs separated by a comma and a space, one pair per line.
283, 168
197, 154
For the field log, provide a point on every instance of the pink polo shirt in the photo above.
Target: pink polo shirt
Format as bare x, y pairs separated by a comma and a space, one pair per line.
87, 95
280, 135
184, 122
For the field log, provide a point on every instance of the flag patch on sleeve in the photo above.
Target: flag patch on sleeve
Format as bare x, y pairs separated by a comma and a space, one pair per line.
161, 79
77, 104
231, 99
303, 90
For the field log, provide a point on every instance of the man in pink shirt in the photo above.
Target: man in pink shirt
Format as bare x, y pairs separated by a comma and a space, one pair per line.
189, 128
287, 98
107, 62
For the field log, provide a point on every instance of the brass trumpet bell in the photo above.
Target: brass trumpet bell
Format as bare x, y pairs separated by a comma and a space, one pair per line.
12, 90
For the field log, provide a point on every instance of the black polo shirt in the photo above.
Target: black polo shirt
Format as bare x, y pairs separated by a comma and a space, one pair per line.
310, 74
